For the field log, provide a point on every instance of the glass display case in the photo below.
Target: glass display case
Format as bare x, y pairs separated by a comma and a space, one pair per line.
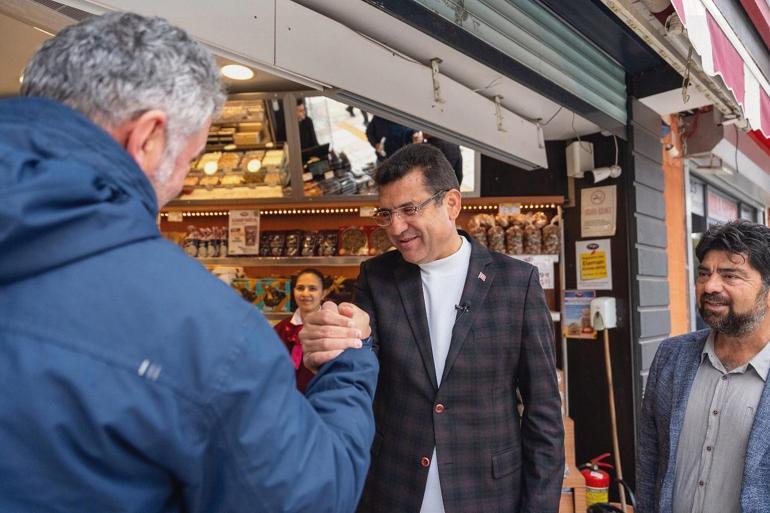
264, 143
243, 159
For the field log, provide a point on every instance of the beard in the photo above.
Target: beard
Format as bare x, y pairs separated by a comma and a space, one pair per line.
732, 323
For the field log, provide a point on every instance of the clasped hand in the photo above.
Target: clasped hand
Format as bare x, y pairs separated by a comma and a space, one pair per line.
328, 332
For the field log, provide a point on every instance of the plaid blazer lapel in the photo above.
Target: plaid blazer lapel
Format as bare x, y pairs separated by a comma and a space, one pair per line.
409, 287
477, 282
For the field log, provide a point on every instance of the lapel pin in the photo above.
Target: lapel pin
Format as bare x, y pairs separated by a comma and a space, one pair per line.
482, 276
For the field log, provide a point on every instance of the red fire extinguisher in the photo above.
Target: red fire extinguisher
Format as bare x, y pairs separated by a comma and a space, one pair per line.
597, 480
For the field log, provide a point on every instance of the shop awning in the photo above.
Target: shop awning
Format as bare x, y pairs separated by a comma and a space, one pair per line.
722, 53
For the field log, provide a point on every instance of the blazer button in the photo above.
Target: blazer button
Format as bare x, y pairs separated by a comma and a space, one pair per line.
439, 408
425, 462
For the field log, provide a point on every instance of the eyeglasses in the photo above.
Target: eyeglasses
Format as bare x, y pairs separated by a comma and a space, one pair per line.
384, 216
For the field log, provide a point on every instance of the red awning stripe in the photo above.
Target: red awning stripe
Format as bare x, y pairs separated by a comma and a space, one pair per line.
720, 56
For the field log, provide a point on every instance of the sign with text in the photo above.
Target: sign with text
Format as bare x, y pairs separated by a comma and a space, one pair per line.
577, 314
544, 264
598, 211
243, 237
594, 264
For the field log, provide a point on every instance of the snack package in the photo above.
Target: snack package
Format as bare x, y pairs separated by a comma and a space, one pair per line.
539, 219
264, 244
341, 289
327, 243
309, 244
496, 239
379, 242
204, 241
479, 233
551, 243
486, 220
352, 241
533, 240
519, 220
191, 241
268, 294
277, 243
514, 240
293, 243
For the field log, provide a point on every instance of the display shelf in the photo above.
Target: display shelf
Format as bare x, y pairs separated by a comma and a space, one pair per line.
315, 202
337, 261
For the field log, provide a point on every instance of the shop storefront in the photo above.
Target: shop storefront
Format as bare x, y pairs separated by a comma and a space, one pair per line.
285, 182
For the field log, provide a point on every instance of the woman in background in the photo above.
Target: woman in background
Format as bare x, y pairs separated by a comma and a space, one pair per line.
308, 294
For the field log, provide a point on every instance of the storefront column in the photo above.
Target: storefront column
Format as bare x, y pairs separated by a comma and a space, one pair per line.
675, 196
648, 240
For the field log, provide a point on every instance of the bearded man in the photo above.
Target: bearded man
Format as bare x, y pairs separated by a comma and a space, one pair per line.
705, 428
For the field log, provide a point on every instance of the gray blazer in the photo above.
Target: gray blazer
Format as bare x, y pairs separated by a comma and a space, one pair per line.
665, 401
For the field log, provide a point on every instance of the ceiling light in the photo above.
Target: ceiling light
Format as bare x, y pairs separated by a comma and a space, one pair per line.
237, 72
21, 78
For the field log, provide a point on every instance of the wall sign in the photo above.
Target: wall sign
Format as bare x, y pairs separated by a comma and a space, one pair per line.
577, 314
594, 264
598, 211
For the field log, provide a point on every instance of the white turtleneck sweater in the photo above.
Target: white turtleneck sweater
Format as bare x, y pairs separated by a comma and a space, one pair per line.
442, 287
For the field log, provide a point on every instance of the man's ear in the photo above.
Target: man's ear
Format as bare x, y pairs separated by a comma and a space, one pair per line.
144, 138
453, 200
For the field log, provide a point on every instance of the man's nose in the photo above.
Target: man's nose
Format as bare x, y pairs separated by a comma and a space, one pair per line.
713, 283
397, 225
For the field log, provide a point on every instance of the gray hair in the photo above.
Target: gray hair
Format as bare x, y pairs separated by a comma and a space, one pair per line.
114, 67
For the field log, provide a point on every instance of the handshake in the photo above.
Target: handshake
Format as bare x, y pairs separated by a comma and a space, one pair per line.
327, 332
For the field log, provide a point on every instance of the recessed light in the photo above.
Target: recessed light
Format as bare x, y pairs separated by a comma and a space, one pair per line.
237, 72
21, 78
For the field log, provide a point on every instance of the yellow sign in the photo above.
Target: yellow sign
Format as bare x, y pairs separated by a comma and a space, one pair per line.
593, 266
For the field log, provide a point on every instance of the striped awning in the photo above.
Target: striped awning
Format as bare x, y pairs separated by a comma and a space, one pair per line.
722, 53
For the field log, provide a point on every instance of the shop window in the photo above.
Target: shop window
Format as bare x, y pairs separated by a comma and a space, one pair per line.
342, 145
245, 157
748, 212
721, 209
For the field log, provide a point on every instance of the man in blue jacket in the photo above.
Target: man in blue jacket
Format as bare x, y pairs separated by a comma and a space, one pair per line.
131, 379
705, 427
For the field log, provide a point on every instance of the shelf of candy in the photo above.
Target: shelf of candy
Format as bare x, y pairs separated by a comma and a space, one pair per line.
337, 248
529, 233
205, 242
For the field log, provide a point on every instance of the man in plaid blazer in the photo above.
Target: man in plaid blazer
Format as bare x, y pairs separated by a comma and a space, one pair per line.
448, 436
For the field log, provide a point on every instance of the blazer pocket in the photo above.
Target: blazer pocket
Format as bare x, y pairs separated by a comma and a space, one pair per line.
506, 463
376, 443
